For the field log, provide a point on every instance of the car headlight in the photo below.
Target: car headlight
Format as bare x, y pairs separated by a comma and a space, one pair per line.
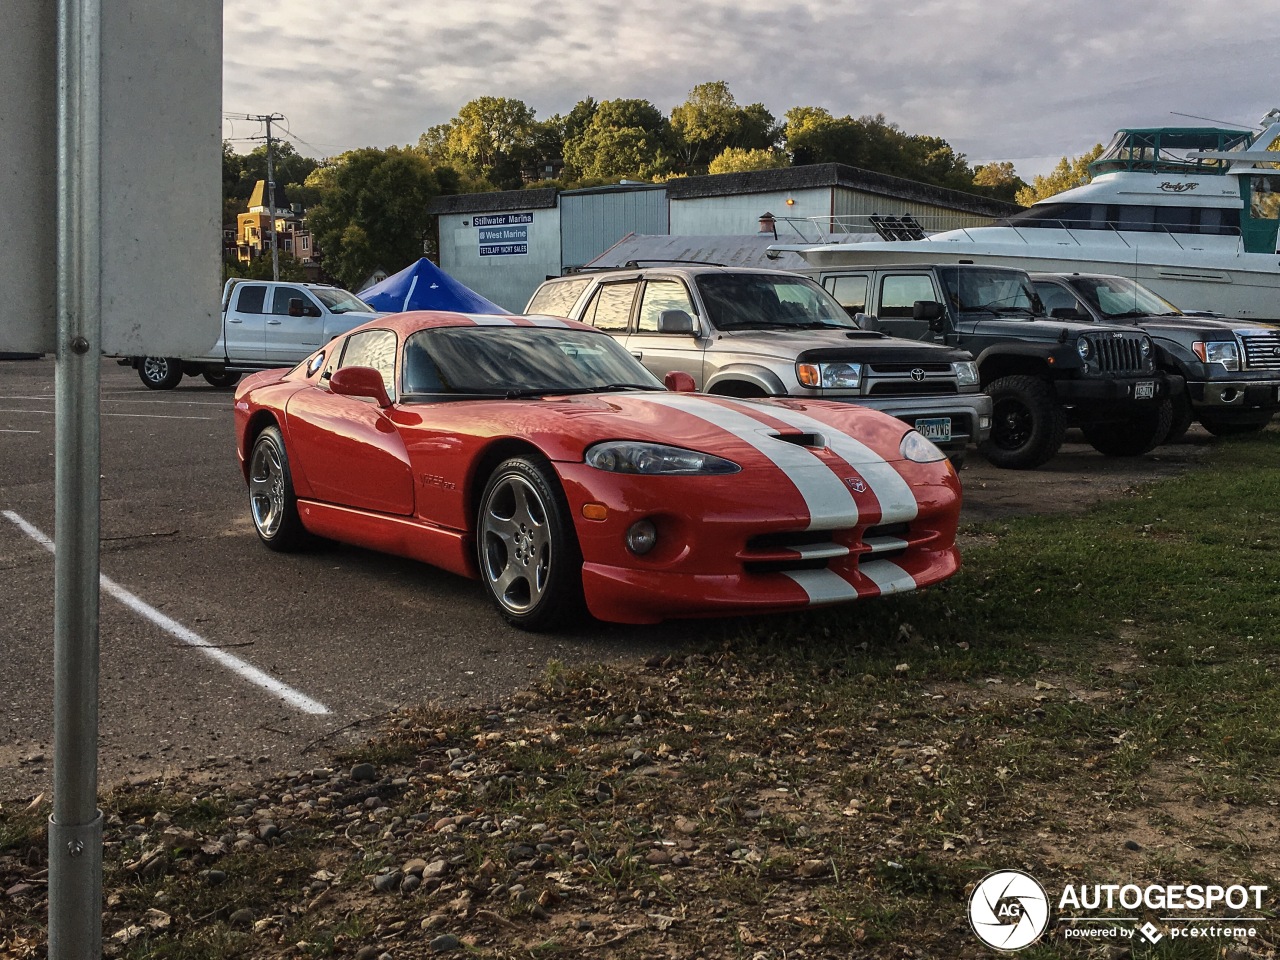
830, 376
1085, 347
1224, 352
633, 456
966, 373
916, 448
1146, 347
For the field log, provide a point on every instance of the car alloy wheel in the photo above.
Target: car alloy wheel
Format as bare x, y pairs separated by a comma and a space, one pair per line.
266, 488
516, 544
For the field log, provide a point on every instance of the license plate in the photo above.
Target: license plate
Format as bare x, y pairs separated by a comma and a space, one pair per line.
1145, 390
935, 428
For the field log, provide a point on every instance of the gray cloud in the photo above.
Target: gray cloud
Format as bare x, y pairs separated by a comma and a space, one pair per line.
1020, 80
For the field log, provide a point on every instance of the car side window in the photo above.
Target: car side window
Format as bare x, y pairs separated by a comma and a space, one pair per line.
899, 293
662, 295
850, 291
557, 297
610, 308
282, 296
373, 348
250, 298
1055, 297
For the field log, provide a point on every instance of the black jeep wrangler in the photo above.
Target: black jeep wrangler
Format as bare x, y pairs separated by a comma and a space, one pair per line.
1043, 375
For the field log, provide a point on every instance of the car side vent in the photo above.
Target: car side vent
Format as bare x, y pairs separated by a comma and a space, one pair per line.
801, 439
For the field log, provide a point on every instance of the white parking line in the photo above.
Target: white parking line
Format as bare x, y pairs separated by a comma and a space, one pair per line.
6, 430
151, 416
237, 666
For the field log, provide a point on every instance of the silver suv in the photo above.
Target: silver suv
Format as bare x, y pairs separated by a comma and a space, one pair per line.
755, 333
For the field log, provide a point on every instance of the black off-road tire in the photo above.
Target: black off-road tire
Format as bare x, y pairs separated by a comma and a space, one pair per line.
160, 373
1027, 424
1183, 417
1145, 430
526, 547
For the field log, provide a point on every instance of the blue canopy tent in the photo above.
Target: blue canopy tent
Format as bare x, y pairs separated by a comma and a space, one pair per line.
424, 286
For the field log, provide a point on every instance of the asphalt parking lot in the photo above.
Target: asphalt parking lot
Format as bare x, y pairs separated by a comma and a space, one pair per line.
233, 657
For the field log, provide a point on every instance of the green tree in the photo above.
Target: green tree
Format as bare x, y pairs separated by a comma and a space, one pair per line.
738, 160
999, 181
1067, 174
372, 211
494, 139
624, 139
710, 122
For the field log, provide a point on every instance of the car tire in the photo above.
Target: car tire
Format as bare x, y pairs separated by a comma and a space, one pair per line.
1226, 428
160, 373
1027, 424
222, 379
526, 547
1183, 416
273, 506
1141, 433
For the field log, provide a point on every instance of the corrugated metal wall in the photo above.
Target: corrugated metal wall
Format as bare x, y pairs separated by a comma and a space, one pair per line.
852, 207
508, 281
590, 223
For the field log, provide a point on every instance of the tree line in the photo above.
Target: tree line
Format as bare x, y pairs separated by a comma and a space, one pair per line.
366, 207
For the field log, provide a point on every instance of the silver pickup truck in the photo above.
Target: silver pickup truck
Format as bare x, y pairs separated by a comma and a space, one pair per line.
264, 324
755, 333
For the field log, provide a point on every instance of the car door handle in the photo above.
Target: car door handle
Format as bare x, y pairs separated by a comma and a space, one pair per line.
638, 354
234, 320
274, 323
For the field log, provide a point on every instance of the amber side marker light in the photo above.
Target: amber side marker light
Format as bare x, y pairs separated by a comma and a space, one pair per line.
595, 511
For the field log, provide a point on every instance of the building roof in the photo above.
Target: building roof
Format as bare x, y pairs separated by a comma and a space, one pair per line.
821, 175
541, 198
258, 199
749, 250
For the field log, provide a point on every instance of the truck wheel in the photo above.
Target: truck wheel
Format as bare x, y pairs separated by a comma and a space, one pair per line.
160, 373
1220, 428
222, 379
1143, 431
1027, 424
1182, 417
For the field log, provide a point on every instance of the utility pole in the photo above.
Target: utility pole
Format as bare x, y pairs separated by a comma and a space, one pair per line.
268, 118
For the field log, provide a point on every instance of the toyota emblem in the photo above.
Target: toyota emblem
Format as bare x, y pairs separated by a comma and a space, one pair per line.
917, 374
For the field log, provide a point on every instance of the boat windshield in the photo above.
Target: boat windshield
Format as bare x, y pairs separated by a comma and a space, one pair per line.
1165, 150
993, 292
1118, 298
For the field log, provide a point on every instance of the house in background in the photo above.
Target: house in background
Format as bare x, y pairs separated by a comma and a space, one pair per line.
253, 229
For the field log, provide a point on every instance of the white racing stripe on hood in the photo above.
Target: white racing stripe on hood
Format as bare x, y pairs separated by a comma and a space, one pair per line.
897, 502
888, 576
829, 501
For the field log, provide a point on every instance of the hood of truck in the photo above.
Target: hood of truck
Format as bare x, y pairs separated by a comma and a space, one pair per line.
832, 346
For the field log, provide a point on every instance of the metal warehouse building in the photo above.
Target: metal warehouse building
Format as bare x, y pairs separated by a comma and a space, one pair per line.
504, 244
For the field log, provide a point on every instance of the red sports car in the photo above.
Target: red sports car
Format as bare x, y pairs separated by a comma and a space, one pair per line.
537, 454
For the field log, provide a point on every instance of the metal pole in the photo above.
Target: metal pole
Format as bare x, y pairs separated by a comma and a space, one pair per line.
75, 828
271, 203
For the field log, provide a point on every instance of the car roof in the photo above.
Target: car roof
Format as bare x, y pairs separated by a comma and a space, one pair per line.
679, 268
410, 322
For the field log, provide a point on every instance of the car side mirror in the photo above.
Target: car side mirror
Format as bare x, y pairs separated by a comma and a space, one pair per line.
678, 381
360, 382
296, 308
864, 321
931, 311
1066, 313
675, 321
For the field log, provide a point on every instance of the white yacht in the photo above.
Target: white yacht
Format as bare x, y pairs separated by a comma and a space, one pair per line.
1190, 212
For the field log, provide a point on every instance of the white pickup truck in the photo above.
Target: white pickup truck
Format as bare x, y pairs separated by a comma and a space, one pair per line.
264, 324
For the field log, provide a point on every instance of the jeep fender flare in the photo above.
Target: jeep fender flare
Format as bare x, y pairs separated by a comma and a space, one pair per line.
1010, 359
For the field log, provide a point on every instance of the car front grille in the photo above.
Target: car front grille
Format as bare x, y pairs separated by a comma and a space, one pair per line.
1119, 354
816, 549
1261, 350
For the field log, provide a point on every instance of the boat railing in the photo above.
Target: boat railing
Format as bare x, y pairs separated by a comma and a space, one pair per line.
863, 227
837, 227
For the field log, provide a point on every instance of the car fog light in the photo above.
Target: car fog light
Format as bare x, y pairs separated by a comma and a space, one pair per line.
984, 423
642, 537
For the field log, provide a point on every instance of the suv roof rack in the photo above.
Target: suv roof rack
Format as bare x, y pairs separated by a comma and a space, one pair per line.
635, 264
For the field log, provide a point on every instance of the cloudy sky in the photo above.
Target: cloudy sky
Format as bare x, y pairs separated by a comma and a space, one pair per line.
1020, 80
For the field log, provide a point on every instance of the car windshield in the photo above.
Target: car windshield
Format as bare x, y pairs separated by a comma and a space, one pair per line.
1117, 298
518, 361
341, 301
992, 292
746, 301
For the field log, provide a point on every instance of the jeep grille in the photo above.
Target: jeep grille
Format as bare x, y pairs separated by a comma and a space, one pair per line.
1261, 350
1119, 354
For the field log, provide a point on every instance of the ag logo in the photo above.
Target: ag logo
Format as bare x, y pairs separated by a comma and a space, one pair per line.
1008, 910
856, 484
